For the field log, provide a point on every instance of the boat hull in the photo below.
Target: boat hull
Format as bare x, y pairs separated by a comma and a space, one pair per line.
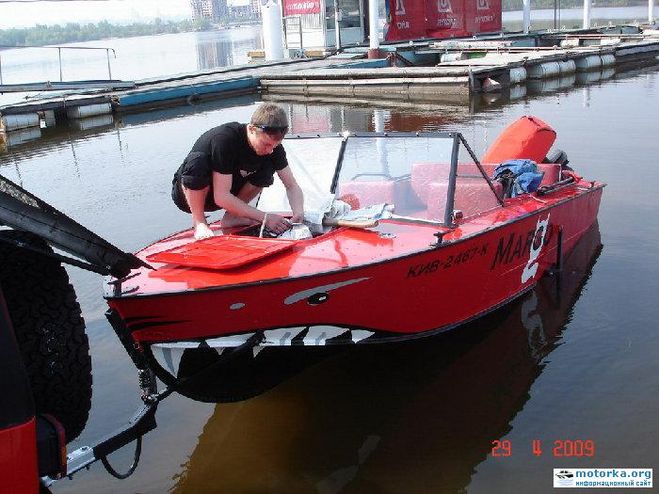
404, 297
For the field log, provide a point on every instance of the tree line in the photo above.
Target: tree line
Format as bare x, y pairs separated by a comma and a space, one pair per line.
40, 35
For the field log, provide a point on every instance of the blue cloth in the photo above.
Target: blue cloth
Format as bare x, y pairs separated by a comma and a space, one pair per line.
526, 177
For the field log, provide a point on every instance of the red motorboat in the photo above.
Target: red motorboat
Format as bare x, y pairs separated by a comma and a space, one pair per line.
451, 246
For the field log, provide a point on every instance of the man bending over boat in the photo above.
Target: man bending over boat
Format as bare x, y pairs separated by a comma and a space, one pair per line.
229, 165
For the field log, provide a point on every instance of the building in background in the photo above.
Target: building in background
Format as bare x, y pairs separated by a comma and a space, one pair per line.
212, 10
244, 10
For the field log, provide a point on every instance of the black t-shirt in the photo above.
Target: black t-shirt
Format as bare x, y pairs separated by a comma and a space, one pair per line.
225, 149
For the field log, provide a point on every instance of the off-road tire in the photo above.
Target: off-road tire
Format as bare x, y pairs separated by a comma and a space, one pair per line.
49, 330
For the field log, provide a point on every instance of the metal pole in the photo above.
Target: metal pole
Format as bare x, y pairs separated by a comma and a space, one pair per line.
586, 14
337, 30
0, 70
450, 193
59, 54
107, 54
526, 19
650, 11
373, 25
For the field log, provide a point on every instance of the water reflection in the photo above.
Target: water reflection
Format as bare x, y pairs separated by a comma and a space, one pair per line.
18, 137
391, 418
211, 55
92, 122
594, 76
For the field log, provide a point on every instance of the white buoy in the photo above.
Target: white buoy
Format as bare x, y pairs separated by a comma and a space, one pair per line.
567, 67
545, 70
272, 30
517, 75
89, 110
9, 123
608, 60
586, 14
527, 15
588, 63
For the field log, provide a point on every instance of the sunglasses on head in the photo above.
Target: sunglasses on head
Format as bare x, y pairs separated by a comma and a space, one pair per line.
273, 130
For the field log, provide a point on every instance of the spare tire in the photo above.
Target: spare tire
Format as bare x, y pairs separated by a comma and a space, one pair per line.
49, 328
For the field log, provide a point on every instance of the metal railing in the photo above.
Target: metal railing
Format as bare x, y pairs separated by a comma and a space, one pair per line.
288, 25
59, 55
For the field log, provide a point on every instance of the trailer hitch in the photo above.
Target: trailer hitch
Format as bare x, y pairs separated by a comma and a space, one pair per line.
141, 423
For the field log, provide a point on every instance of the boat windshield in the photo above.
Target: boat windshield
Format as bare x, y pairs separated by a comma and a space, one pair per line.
409, 171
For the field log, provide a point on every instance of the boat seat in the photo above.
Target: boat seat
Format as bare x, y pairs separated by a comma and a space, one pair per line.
430, 180
471, 198
552, 173
366, 193
424, 174
397, 191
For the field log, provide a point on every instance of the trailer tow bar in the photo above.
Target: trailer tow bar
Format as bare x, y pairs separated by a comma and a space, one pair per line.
141, 423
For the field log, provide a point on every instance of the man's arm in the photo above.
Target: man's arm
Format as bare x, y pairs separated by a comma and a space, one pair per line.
293, 192
232, 204
196, 201
236, 207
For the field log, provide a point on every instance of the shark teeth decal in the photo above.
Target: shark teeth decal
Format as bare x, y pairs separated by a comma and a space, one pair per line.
360, 334
281, 337
318, 335
169, 354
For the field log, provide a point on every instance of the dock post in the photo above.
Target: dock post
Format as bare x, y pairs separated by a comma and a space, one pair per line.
59, 54
650, 13
373, 29
107, 54
586, 14
0, 70
527, 16
337, 29
272, 30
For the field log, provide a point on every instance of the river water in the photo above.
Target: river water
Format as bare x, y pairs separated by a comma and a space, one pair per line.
572, 364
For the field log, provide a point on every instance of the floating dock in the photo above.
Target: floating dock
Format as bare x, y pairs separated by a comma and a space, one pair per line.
447, 71
461, 69
157, 92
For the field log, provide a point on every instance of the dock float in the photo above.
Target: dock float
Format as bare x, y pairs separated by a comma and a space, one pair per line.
467, 70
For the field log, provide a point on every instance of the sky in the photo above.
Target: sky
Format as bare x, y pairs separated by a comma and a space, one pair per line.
25, 14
